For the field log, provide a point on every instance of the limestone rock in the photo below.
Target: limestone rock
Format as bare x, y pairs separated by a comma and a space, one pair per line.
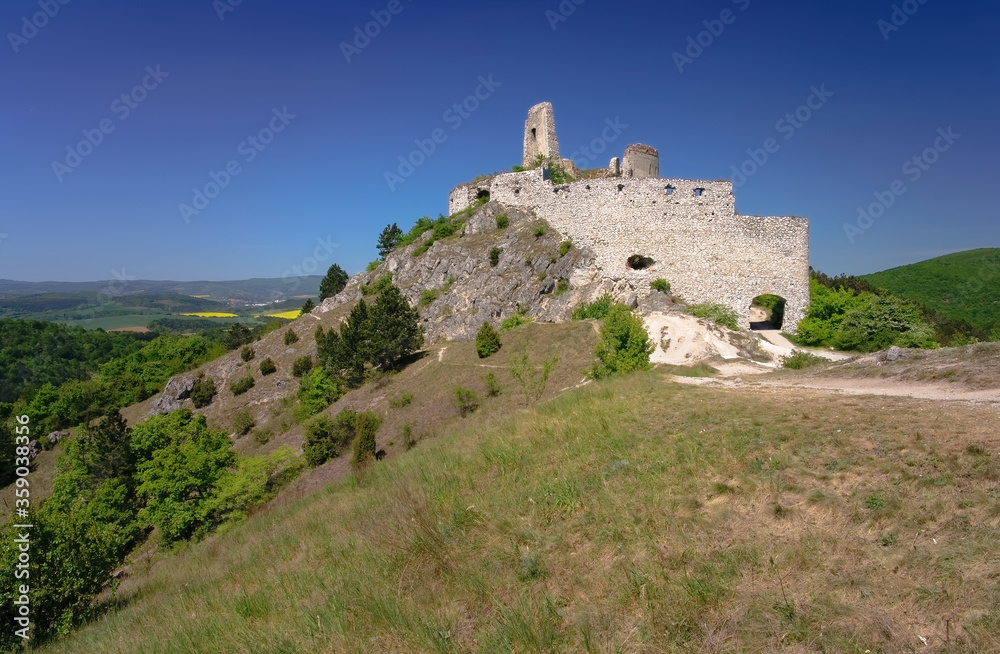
177, 389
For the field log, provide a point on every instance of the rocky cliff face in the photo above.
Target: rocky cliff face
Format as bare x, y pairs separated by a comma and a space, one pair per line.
456, 287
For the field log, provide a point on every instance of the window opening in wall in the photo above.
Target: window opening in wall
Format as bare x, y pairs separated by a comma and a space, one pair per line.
639, 262
621, 187
670, 190
698, 192
483, 195
767, 312
534, 134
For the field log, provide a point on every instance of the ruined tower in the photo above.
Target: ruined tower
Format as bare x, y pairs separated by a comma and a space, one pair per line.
540, 134
641, 162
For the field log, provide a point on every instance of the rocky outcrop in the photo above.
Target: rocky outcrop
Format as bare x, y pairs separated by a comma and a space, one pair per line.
177, 389
456, 287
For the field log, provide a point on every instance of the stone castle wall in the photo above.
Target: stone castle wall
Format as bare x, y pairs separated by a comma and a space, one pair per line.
690, 228
641, 161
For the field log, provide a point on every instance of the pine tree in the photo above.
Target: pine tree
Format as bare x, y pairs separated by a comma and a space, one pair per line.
487, 341
333, 283
396, 328
388, 240
308, 306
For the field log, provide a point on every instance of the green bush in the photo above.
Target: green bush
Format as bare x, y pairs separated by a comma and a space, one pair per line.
561, 287
428, 296
242, 385
327, 438
624, 345
255, 480
539, 231
487, 341
316, 392
564, 248
493, 388
596, 310
465, 400
502, 221
407, 435
247, 353
308, 307
532, 378
661, 285
243, 423
267, 367
365, 427
717, 313
515, 320
372, 265
376, 287
202, 392
291, 337
302, 366
495, 253
801, 359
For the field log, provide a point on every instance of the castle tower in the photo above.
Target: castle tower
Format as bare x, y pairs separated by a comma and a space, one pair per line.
540, 134
641, 161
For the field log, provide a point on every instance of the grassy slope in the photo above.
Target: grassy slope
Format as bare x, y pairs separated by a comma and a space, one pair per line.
634, 515
963, 285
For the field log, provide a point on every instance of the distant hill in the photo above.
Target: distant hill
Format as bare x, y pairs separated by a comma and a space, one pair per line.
254, 291
963, 285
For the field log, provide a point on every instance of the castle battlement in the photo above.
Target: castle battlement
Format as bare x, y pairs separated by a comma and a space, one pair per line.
689, 229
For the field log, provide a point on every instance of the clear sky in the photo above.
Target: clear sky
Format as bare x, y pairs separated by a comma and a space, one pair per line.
114, 112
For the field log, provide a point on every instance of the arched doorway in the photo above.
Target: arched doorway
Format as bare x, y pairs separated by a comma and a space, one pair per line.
767, 312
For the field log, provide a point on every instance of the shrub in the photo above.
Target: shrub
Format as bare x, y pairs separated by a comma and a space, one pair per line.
267, 367
243, 423
262, 436
539, 231
242, 385
291, 337
372, 265
624, 345
466, 400
376, 287
365, 427
532, 379
399, 401
247, 353
717, 313
564, 248
487, 341
596, 310
407, 435
801, 359
308, 306
493, 388
302, 366
661, 285
561, 287
495, 253
316, 392
514, 321
502, 221
326, 438
428, 296
203, 392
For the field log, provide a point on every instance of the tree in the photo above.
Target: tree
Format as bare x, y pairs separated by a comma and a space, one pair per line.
238, 336
333, 283
487, 341
389, 240
365, 426
308, 306
396, 330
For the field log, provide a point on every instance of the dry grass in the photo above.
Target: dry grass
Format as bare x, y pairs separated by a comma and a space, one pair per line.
636, 515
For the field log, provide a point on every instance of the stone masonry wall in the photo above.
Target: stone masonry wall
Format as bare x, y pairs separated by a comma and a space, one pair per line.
641, 161
689, 228
540, 134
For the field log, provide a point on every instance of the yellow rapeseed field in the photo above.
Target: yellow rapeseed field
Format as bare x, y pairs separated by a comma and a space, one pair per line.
287, 315
211, 314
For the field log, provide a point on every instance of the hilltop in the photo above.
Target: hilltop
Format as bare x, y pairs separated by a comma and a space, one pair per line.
963, 286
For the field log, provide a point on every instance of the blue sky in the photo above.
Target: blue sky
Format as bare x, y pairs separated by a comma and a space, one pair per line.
217, 74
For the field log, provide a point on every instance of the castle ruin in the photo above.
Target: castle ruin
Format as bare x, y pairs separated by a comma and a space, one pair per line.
642, 227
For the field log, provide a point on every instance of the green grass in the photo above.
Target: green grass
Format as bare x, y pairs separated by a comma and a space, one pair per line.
960, 285
634, 515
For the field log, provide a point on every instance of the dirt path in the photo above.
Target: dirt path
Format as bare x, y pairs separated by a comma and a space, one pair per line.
881, 387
